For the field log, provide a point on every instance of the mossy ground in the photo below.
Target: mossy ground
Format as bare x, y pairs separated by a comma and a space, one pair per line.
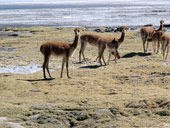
132, 93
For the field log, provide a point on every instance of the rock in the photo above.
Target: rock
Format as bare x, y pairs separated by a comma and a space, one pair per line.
142, 104
148, 25
11, 125
118, 30
104, 113
133, 29
44, 106
34, 117
5, 124
109, 29
34, 90
82, 116
166, 25
14, 34
101, 29
139, 104
112, 92
163, 113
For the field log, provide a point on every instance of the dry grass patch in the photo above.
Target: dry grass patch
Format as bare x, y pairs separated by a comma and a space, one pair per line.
132, 93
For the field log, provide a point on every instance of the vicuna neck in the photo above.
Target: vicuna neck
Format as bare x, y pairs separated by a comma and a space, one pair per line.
122, 37
74, 44
161, 27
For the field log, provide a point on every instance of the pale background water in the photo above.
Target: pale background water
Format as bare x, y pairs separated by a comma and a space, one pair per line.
86, 13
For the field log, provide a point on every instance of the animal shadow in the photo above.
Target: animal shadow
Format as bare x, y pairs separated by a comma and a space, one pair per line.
82, 62
32, 80
132, 54
91, 66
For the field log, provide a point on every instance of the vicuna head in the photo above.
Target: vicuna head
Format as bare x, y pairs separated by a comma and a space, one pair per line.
123, 28
161, 22
116, 54
77, 31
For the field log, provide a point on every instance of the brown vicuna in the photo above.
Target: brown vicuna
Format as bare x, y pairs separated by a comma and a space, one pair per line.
165, 41
63, 49
87, 38
112, 44
156, 37
156, 41
147, 33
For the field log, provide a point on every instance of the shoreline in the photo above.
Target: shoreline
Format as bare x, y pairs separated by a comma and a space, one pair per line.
2, 26
6, 32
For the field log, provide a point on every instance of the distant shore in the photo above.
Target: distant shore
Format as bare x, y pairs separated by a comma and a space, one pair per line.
9, 33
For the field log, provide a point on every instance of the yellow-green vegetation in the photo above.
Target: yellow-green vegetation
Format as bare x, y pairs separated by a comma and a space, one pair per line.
132, 93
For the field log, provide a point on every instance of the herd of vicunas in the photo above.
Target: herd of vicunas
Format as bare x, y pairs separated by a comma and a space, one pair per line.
148, 34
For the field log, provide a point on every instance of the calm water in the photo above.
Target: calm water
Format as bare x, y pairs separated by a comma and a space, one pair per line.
72, 13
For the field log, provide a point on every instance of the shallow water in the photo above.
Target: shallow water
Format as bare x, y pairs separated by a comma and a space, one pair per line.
6, 49
29, 69
166, 63
84, 13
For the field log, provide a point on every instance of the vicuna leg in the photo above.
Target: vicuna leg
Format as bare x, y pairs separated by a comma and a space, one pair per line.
116, 54
162, 45
62, 66
45, 65
147, 44
44, 70
67, 62
164, 49
101, 51
109, 57
167, 51
154, 46
48, 68
103, 60
158, 46
97, 58
144, 41
83, 46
